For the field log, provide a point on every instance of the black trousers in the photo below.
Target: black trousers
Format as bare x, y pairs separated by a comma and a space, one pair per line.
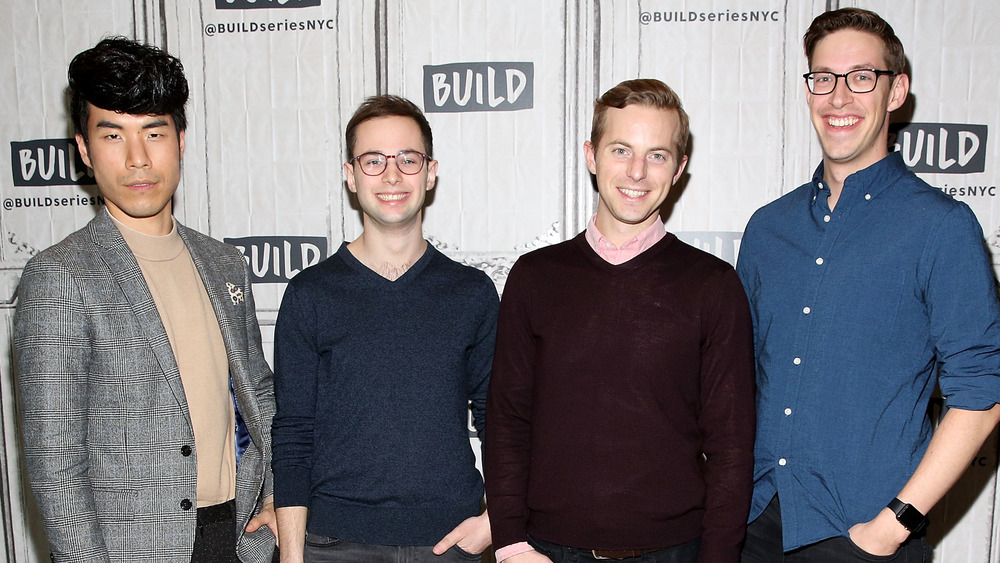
764, 545
215, 536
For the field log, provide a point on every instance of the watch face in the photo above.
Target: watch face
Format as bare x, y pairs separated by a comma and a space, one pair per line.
911, 518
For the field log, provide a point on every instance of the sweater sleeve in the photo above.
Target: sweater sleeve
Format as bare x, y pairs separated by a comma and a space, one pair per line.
507, 449
296, 364
727, 418
480, 356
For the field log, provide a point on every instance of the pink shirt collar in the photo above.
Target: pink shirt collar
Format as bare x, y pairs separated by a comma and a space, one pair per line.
627, 251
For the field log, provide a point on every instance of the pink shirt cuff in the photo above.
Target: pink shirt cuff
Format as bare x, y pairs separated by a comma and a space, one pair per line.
512, 550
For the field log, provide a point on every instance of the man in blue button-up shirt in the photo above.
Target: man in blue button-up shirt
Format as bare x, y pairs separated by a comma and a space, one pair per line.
865, 283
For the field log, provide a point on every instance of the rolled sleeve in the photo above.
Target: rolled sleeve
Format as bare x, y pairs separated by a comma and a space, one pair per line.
961, 297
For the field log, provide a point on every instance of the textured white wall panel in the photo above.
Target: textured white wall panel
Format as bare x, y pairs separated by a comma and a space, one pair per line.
273, 85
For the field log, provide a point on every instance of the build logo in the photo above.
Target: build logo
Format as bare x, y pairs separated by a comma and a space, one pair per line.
47, 162
255, 4
468, 87
941, 148
277, 259
723, 244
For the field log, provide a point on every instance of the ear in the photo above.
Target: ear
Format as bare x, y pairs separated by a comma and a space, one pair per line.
900, 89
432, 171
349, 176
680, 169
588, 152
180, 145
81, 145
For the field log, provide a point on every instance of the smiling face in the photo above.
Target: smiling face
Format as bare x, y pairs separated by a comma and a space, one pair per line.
137, 165
636, 161
853, 128
392, 200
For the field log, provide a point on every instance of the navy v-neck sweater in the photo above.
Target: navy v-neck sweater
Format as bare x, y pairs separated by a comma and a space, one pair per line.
372, 382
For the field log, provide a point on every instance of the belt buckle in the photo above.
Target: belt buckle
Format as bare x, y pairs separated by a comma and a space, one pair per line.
625, 554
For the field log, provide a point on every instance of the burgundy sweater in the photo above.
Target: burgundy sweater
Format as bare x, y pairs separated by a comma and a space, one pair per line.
621, 404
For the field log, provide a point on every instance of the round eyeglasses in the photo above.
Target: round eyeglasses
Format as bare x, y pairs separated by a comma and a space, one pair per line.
374, 163
860, 81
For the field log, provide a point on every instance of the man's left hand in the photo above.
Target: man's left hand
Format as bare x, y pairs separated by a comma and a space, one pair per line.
472, 536
265, 518
881, 536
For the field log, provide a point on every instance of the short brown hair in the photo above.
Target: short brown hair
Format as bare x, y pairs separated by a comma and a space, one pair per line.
859, 20
386, 106
646, 92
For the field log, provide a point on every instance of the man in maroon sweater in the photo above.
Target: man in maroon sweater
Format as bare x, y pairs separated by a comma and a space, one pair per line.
621, 404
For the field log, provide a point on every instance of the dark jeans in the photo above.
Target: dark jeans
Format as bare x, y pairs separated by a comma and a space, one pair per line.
684, 553
764, 545
322, 549
215, 534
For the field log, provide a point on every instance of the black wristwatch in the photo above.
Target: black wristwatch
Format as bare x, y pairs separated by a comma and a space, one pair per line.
911, 518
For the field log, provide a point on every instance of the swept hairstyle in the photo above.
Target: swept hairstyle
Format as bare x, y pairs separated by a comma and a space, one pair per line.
646, 92
122, 75
385, 106
859, 20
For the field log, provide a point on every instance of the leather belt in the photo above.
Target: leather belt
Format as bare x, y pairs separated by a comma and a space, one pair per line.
617, 553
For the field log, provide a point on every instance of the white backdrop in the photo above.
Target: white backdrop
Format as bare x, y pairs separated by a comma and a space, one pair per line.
508, 88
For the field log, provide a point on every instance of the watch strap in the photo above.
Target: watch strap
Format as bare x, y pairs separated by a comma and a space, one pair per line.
911, 518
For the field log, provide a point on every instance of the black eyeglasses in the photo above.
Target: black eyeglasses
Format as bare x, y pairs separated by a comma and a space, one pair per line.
860, 81
374, 163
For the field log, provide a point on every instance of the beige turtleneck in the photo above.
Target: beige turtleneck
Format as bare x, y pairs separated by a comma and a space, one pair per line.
196, 340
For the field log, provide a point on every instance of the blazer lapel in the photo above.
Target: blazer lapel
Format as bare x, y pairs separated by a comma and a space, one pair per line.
220, 283
215, 279
125, 271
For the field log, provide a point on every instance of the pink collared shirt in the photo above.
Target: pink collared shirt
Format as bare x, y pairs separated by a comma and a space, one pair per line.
627, 251
614, 255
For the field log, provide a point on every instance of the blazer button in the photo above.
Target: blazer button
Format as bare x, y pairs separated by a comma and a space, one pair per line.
186, 504
185, 450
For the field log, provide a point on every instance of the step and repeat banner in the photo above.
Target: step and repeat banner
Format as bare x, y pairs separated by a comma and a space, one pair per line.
508, 88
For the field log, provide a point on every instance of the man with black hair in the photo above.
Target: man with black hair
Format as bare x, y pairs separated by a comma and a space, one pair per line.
138, 350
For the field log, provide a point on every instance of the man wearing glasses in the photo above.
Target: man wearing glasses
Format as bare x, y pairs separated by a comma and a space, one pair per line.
863, 284
378, 351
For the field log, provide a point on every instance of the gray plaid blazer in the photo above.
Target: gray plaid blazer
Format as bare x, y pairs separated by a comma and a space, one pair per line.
105, 421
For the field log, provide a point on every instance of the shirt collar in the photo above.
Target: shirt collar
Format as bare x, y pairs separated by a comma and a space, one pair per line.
629, 249
870, 181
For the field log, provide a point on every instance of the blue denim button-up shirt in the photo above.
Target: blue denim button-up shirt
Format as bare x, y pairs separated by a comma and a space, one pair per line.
855, 310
